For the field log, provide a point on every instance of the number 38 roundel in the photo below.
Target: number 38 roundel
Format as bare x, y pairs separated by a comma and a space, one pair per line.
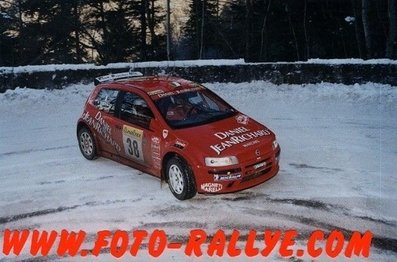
132, 140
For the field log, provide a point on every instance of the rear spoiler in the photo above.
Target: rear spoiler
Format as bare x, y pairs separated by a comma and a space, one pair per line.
114, 77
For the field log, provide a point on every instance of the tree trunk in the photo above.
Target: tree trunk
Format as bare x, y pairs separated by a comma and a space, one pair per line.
293, 32
248, 8
143, 30
366, 27
264, 30
168, 30
305, 31
76, 30
103, 53
202, 29
357, 29
391, 43
152, 24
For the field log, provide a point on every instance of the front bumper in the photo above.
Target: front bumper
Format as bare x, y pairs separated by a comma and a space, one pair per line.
238, 177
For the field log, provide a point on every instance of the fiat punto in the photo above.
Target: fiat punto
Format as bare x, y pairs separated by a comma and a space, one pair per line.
178, 131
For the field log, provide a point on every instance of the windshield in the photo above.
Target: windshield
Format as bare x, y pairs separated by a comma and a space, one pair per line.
193, 108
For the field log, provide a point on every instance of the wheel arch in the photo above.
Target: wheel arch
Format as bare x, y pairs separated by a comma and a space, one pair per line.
82, 124
171, 154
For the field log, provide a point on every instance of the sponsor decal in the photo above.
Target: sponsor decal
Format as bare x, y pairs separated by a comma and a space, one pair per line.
228, 177
262, 164
236, 136
156, 152
155, 92
132, 140
242, 119
165, 133
175, 84
180, 144
101, 127
251, 143
156, 140
211, 187
176, 92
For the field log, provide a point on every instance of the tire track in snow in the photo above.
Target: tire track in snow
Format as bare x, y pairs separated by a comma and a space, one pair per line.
35, 150
13, 218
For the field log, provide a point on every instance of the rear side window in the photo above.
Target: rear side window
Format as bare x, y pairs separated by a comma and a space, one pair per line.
106, 100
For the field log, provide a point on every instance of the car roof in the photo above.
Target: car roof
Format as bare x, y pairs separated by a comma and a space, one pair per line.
157, 86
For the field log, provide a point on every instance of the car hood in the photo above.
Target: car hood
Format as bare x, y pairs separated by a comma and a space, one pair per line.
230, 136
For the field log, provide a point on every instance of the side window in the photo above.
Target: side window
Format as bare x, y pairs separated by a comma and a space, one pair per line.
106, 100
135, 110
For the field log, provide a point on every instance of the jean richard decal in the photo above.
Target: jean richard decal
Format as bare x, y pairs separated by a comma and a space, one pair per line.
236, 136
102, 127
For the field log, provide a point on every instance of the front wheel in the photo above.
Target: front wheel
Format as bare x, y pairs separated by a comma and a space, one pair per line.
180, 179
87, 143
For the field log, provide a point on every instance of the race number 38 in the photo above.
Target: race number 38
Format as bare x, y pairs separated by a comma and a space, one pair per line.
132, 140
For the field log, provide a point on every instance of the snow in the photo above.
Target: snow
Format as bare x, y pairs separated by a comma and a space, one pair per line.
350, 19
356, 61
60, 67
338, 168
182, 63
5, 15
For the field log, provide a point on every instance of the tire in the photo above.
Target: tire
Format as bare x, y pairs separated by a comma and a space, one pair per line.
87, 143
180, 179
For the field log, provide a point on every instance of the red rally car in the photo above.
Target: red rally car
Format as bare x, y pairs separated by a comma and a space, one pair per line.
176, 130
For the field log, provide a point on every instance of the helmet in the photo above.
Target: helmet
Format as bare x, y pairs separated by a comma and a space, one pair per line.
139, 102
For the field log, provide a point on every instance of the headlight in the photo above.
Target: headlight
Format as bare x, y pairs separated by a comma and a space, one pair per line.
275, 144
221, 161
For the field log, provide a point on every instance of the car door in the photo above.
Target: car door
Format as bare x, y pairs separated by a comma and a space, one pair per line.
135, 118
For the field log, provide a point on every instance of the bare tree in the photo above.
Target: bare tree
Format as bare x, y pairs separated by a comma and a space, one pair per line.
143, 20
366, 26
305, 31
392, 37
202, 29
248, 10
292, 31
357, 29
264, 29
168, 18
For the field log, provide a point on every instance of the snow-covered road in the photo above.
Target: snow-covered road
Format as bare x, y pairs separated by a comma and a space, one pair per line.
338, 168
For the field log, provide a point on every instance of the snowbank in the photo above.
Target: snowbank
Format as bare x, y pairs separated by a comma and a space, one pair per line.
344, 71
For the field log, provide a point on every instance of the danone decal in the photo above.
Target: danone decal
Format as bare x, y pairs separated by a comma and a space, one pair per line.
102, 127
211, 187
132, 140
236, 136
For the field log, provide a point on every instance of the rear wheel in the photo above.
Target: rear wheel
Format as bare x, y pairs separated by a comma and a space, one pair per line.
87, 143
180, 179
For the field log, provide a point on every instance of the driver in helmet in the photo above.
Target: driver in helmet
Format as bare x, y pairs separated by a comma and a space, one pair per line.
180, 109
139, 107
